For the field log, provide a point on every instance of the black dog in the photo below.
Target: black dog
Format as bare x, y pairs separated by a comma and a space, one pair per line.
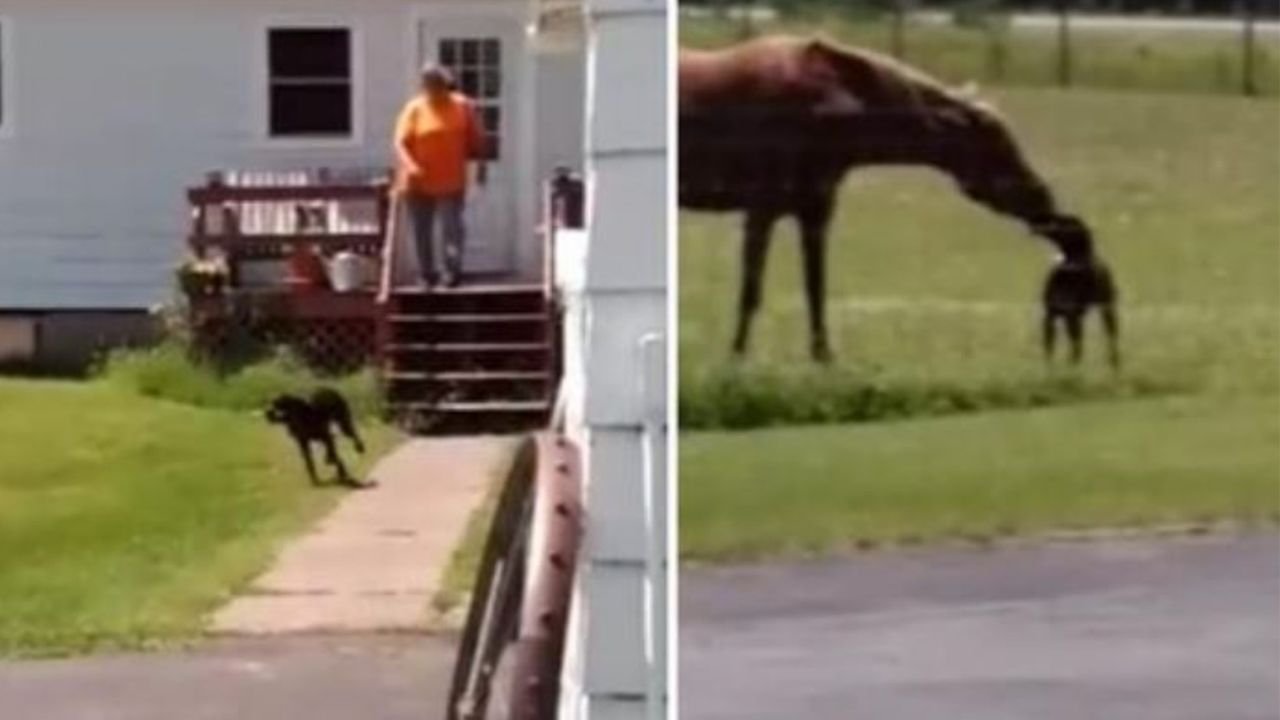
1070, 291
310, 421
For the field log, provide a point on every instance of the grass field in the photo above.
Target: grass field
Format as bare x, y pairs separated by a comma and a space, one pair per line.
932, 313
1145, 59
124, 520
979, 477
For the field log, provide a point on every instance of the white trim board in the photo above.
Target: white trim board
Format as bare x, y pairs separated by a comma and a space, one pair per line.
8, 79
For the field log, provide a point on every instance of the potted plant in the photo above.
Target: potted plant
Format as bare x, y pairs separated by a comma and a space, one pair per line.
203, 278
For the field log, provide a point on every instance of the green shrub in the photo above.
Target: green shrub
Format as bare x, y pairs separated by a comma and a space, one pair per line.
735, 399
169, 371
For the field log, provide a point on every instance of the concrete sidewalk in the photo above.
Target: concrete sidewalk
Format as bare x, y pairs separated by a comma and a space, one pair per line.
375, 562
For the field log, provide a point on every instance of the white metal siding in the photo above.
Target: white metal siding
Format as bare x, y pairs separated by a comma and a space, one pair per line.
119, 105
616, 381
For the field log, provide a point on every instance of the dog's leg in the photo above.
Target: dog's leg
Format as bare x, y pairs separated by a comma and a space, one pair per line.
304, 448
1111, 325
348, 426
331, 455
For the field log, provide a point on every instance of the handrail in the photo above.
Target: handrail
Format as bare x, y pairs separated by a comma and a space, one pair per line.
258, 215
550, 224
386, 276
209, 195
519, 613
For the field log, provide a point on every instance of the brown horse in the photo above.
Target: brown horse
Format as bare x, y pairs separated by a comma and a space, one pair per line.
771, 127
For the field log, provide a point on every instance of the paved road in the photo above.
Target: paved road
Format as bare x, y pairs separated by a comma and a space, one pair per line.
1139, 630
385, 677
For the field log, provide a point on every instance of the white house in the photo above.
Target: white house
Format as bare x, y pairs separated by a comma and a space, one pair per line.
613, 278
110, 109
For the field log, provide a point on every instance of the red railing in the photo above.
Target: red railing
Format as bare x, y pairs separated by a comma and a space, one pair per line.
391, 238
514, 638
259, 215
276, 232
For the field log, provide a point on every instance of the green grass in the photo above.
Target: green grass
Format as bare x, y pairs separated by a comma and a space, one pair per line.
1145, 59
464, 563
932, 313
931, 292
125, 520
821, 489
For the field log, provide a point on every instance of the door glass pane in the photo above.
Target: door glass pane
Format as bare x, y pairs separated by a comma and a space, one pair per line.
470, 52
448, 53
491, 86
492, 52
469, 81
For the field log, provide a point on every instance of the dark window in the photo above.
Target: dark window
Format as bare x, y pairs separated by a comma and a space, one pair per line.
310, 82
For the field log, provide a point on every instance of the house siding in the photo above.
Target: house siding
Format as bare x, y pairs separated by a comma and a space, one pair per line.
615, 390
119, 105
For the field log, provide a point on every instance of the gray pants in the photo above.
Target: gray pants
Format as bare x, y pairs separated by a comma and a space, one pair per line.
423, 211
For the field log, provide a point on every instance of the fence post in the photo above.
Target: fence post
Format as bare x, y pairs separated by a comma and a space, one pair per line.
997, 26
1249, 77
897, 30
1064, 44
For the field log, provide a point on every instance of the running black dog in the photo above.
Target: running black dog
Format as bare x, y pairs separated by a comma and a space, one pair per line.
311, 420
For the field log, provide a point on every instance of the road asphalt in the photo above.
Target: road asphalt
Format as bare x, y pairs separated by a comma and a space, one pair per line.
363, 677
1136, 629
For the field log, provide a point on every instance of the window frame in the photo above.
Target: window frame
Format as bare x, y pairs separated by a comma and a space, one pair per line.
8, 123
263, 83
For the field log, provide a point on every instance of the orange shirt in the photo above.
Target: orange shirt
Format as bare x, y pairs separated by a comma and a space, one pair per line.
440, 137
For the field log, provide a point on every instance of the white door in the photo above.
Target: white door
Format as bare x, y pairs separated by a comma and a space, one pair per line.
483, 55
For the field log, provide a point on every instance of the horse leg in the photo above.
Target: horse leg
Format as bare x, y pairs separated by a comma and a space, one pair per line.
813, 246
1049, 335
1075, 334
1111, 325
755, 247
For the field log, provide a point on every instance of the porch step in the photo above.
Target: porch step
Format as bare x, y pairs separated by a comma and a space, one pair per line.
479, 300
457, 387
475, 417
470, 318
465, 408
463, 377
472, 359
470, 328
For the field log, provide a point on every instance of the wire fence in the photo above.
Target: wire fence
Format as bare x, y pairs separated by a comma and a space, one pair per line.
1225, 47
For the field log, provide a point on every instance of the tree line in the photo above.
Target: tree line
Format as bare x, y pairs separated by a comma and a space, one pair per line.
1268, 8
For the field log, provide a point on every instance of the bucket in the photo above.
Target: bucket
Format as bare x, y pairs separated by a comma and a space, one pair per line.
347, 271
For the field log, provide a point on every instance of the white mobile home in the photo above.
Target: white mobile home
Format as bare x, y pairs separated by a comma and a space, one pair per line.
110, 109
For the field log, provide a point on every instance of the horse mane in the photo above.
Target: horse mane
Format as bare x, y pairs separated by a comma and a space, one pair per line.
910, 87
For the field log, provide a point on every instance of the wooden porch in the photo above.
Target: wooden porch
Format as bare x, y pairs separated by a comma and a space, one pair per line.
268, 246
